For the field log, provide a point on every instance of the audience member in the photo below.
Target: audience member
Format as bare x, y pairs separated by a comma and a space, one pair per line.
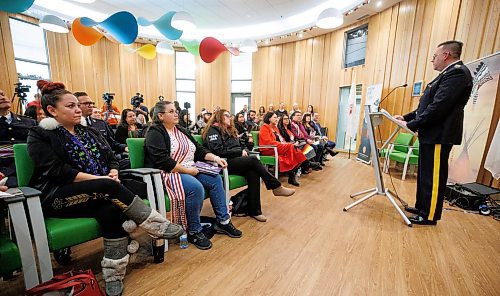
186, 122
173, 150
289, 158
142, 109
300, 134
295, 108
96, 113
13, 129
243, 134
128, 127
252, 121
244, 111
281, 111
77, 174
36, 102
329, 145
310, 109
270, 108
222, 140
110, 114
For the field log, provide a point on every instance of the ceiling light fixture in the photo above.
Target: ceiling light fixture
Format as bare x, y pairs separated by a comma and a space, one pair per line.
329, 18
379, 3
183, 21
248, 46
54, 24
164, 47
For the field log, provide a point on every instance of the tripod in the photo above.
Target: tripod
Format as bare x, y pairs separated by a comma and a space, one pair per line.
373, 119
21, 100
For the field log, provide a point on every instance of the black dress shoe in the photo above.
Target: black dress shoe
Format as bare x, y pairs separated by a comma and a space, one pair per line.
412, 210
421, 221
293, 181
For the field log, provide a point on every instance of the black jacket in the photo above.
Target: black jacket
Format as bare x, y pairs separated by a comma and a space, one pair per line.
52, 163
222, 145
10, 134
121, 134
440, 114
105, 129
157, 148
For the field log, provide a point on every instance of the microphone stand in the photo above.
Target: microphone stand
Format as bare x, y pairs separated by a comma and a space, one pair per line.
380, 104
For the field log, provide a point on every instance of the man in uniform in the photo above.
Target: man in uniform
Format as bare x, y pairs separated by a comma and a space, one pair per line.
13, 129
439, 122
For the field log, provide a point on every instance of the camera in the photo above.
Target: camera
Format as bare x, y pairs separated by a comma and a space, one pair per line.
161, 98
108, 99
187, 105
136, 100
21, 90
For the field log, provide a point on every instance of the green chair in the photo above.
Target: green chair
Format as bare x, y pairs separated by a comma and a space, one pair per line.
55, 235
408, 158
400, 144
266, 160
235, 181
10, 259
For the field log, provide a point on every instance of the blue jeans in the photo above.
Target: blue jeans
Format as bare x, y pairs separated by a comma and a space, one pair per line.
194, 189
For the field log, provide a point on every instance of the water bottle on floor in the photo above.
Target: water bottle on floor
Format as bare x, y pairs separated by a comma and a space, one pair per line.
183, 241
158, 250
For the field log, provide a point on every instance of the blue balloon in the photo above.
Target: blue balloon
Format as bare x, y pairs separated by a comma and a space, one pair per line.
121, 25
15, 6
164, 25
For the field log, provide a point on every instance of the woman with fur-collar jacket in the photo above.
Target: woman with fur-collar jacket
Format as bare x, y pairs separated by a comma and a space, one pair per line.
77, 173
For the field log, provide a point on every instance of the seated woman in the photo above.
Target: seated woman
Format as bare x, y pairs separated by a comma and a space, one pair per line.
300, 134
173, 150
76, 171
185, 122
289, 158
128, 127
243, 134
284, 127
222, 140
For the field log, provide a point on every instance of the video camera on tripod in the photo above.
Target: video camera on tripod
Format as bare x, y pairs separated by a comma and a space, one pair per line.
20, 91
136, 100
108, 100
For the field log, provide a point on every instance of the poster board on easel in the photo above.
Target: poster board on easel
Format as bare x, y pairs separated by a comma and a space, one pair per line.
373, 96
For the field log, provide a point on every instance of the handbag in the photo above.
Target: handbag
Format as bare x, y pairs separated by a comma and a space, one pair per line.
79, 283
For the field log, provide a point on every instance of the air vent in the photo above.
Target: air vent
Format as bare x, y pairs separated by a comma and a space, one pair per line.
362, 17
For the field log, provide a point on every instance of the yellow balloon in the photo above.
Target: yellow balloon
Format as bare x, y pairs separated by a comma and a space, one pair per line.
147, 51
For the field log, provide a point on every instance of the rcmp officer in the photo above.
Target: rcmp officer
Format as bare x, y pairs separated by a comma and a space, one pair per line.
439, 122
13, 129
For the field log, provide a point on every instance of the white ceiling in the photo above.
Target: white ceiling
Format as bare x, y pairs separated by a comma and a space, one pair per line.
227, 20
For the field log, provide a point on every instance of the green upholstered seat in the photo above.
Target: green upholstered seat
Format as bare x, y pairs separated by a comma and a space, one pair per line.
268, 160
61, 233
136, 155
10, 259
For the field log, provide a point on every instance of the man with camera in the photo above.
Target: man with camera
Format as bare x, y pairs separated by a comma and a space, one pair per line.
139, 108
110, 112
87, 106
13, 129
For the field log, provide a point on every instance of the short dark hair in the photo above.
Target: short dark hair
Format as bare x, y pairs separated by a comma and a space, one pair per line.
252, 111
267, 117
454, 47
80, 94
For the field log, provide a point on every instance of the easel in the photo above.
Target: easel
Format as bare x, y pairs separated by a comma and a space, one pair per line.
372, 120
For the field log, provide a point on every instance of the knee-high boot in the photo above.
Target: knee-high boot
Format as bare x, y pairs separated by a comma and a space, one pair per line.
114, 264
151, 221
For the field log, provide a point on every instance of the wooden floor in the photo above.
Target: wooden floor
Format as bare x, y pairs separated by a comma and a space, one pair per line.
309, 246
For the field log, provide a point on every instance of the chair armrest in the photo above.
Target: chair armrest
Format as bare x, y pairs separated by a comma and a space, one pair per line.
12, 195
29, 192
141, 171
265, 146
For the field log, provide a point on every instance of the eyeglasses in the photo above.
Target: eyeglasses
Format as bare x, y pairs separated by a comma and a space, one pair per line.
436, 55
87, 103
227, 115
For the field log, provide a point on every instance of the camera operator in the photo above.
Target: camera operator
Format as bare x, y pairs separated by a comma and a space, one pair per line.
138, 106
13, 129
109, 111
87, 107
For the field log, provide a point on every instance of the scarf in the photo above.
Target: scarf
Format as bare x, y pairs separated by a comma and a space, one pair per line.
173, 182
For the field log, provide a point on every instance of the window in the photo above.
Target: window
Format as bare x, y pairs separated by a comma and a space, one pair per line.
185, 70
342, 121
30, 52
355, 46
241, 81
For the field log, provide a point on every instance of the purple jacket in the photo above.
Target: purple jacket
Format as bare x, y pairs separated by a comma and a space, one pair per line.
299, 131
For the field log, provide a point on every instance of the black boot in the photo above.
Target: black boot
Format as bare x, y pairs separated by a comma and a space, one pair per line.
292, 179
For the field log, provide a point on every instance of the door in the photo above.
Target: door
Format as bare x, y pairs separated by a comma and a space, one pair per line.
238, 100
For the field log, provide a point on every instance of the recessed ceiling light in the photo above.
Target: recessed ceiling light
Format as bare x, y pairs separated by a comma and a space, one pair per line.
300, 35
379, 3
330, 18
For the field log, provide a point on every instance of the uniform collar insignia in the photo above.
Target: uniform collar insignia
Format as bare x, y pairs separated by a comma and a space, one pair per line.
458, 66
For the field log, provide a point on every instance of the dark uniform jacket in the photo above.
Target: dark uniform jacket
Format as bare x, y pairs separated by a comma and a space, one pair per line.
222, 145
52, 162
10, 134
105, 129
440, 113
157, 148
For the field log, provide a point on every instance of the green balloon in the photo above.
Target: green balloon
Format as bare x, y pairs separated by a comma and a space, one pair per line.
193, 46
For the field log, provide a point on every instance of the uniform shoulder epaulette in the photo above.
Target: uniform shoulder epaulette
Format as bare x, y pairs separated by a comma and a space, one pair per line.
457, 66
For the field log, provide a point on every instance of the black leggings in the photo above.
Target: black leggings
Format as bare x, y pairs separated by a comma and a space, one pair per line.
102, 199
252, 169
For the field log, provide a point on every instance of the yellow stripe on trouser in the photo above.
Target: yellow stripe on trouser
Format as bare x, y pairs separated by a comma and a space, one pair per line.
435, 180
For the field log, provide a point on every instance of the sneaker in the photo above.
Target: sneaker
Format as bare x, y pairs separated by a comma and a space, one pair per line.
227, 229
200, 241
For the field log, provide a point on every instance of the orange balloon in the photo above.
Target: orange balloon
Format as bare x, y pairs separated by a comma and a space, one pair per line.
85, 35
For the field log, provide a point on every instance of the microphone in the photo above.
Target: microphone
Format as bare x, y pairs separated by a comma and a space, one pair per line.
380, 104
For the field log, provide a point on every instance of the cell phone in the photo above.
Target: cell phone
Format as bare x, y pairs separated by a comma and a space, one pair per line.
4, 181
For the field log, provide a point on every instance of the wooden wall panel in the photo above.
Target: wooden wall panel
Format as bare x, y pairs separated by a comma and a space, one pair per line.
213, 83
8, 74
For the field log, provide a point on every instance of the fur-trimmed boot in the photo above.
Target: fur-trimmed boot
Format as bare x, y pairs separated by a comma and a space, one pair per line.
114, 264
151, 221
